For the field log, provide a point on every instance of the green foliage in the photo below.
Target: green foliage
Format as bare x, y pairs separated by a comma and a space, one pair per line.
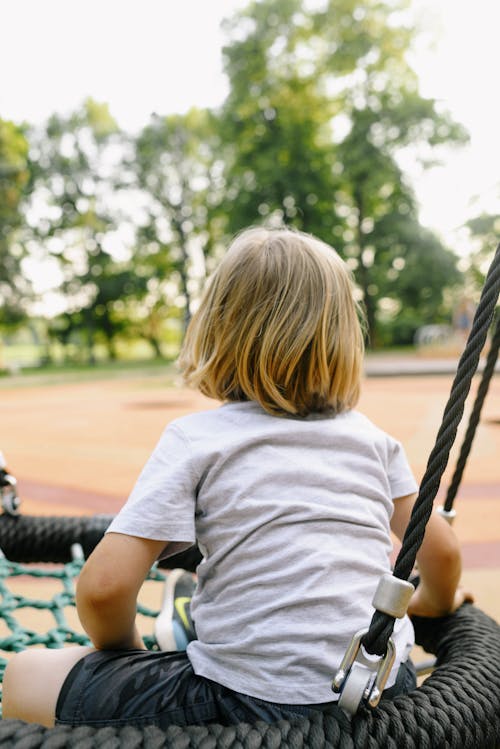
72, 164
178, 168
14, 188
486, 228
275, 125
321, 106
14, 173
414, 284
399, 330
485, 232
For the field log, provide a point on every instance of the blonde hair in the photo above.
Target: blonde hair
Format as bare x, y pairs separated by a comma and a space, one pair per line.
277, 324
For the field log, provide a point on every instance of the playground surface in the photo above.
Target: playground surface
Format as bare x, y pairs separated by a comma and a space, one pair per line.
77, 448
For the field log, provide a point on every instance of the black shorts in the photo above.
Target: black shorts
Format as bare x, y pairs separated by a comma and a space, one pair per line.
139, 688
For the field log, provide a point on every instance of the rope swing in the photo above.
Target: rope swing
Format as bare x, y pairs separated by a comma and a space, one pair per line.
458, 706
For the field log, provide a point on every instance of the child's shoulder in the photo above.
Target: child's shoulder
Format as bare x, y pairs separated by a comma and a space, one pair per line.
241, 412
248, 416
358, 420
215, 418
367, 429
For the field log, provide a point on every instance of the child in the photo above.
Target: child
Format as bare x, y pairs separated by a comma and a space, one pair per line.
290, 495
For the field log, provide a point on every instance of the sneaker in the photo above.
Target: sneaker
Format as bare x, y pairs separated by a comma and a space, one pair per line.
174, 628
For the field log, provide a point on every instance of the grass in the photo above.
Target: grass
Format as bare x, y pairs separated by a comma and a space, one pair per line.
104, 370
22, 363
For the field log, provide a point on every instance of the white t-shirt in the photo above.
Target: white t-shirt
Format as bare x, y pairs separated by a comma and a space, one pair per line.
292, 517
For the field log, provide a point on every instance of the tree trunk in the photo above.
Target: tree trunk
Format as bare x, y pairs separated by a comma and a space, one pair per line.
155, 345
363, 276
89, 334
183, 271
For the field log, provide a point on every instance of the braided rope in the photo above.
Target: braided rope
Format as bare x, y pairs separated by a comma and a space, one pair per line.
458, 707
37, 538
49, 538
475, 415
382, 625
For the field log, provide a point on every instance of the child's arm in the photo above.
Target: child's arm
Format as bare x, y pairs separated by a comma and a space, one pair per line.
439, 563
108, 586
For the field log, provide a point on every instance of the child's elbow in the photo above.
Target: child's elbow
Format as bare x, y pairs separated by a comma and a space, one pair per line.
447, 558
440, 547
97, 590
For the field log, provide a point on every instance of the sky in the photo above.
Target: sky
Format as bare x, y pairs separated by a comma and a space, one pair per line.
163, 56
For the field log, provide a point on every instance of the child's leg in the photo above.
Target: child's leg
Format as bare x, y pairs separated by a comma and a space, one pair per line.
33, 680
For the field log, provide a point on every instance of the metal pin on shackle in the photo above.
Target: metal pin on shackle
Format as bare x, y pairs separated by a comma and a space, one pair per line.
359, 678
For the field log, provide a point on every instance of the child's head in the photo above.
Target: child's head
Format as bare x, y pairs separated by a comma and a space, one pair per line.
278, 324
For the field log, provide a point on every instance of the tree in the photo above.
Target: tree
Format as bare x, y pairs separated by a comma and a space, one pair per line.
322, 106
14, 188
74, 162
281, 166
394, 258
179, 171
485, 232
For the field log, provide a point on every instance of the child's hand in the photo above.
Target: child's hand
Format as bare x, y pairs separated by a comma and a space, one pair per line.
421, 604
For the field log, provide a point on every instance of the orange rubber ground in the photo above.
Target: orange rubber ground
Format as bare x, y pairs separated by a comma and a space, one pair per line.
78, 448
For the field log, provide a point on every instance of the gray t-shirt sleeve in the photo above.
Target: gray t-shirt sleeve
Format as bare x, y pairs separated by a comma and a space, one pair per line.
162, 503
401, 479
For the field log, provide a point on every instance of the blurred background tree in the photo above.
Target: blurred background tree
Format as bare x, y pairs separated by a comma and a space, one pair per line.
179, 170
73, 162
321, 107
322, 118
485, 231
15, 290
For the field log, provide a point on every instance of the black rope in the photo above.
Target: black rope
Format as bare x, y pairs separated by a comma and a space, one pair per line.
26, 538
382, 625
457, 707
40, 538
474, 418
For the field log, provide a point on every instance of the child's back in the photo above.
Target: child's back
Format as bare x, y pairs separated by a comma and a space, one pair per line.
293, 518
291, 496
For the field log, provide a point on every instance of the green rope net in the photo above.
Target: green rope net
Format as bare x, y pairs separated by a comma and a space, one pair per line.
58, 606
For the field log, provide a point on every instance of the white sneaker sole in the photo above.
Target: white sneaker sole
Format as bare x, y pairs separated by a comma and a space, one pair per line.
164, 631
